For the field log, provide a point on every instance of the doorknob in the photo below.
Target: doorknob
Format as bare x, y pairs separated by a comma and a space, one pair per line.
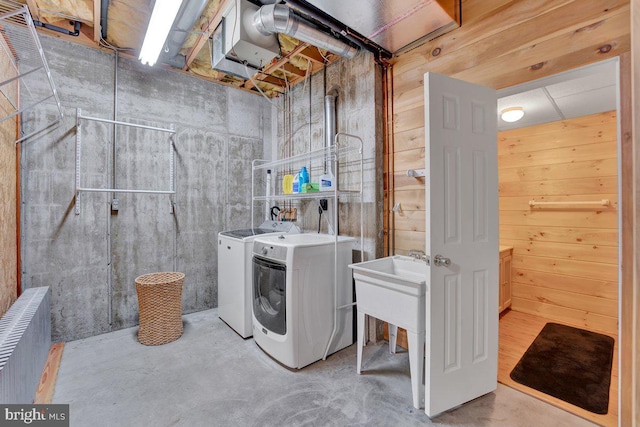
441, 261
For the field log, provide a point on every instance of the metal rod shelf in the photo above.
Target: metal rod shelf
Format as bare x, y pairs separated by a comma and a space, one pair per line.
28, 107
122, 190
79, 189
21, 47
133, 125
13, 79
314, 195
329, 153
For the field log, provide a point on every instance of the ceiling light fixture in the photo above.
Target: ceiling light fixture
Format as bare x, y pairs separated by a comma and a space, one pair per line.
162, 17
512, 114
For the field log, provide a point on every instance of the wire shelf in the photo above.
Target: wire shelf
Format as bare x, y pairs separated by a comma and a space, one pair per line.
25, 65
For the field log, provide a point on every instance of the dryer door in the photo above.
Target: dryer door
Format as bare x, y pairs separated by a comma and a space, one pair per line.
270, 294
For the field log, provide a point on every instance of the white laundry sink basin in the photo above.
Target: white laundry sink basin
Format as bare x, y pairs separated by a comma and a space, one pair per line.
393, 289
401, 273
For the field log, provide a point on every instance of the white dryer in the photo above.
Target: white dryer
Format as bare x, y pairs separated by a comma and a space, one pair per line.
234, 272
293, 296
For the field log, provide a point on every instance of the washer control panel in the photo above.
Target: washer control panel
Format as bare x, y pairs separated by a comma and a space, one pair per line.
267, 250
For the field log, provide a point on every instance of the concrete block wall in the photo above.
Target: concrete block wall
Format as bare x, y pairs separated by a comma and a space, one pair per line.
91, 260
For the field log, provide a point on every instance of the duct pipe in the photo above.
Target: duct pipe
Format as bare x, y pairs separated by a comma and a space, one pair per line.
277, 18
188, 14
330, 127
340, 28
104, 8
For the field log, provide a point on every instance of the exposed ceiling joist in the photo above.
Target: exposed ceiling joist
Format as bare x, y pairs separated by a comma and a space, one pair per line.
292, 69
96, 21
313, 54
128, 18
33, 9
206, 33
279, 64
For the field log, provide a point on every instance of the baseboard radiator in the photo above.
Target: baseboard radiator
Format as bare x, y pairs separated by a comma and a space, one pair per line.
25, 339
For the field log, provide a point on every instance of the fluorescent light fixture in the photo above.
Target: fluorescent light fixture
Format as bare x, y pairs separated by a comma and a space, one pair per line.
162, 17
512, 114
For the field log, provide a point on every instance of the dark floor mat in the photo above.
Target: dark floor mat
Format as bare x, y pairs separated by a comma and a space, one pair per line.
571, 364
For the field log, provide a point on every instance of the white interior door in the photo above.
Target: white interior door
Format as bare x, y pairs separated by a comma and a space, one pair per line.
462, 241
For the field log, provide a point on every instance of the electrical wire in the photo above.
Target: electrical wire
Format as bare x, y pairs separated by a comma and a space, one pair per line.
258, 87
324, 57
106, 44
306, 76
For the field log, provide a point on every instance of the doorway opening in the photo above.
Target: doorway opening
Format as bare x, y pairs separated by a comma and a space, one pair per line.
559, 221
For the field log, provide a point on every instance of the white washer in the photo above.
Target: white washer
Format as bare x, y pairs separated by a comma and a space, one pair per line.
293, 296
234, 272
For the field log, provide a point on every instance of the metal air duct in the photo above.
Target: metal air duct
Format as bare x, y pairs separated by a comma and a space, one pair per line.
188, 14
330, 117
277, 18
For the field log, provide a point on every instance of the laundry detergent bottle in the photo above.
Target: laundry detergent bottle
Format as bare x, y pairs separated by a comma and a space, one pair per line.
296, 184
304, 177
327, 181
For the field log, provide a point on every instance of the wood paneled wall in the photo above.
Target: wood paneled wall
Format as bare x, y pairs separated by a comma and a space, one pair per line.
630, 330
500, 43
565, 258
8, 187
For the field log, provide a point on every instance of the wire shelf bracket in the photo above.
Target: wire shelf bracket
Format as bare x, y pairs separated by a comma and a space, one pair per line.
78, 187
27, 68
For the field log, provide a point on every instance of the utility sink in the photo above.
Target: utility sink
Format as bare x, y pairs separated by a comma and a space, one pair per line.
393, 289
400, 273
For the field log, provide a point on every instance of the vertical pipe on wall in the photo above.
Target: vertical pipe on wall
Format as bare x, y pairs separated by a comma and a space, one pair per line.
310, 91
115, 118
329, 121
389, 201
113, 202
18, 206
330, 130
324, 116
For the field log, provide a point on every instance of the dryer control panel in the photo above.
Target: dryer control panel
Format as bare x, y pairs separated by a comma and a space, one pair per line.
270, 251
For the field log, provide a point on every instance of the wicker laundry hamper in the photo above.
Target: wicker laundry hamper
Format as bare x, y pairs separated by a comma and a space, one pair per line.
160, 306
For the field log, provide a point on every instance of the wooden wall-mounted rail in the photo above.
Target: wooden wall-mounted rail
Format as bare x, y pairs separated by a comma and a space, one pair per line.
603, 202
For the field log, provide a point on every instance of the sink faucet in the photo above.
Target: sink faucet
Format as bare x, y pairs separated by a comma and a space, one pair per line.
419, 255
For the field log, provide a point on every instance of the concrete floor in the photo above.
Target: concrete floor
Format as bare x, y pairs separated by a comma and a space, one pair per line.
212, 377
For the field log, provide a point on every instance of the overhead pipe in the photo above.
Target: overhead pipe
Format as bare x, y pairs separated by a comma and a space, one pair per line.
74, 33
104, 9
277, 18
188, 14
381, 54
